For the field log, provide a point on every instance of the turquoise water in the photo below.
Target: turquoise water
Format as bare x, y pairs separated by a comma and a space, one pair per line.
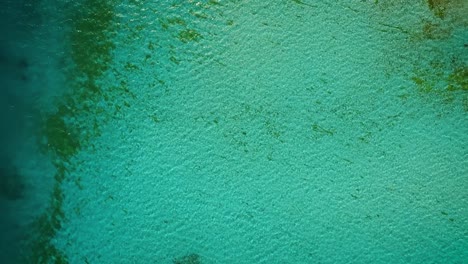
247, 132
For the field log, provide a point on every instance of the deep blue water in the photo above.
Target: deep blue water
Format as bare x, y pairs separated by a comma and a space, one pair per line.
15, 27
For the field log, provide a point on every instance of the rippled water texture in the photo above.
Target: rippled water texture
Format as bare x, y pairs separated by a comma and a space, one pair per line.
292, 131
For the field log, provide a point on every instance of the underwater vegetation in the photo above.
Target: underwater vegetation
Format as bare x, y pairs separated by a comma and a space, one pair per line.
92, 100
91, 45
90, 50
41, 248
440, 73
437, 7
68, 130
188, 259
449, 10
188, 35
299, 2
445, 84
458, 79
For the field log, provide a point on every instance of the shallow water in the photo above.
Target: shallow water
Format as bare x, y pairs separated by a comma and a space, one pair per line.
236, 132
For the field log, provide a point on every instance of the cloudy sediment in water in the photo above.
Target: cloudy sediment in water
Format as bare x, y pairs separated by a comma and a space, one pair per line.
234, 131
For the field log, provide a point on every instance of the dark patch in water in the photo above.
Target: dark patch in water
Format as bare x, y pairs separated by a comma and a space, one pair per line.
11, 186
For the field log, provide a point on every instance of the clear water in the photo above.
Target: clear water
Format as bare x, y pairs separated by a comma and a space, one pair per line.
238, 132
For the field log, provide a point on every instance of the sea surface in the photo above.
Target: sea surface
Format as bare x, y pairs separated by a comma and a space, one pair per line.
233, 131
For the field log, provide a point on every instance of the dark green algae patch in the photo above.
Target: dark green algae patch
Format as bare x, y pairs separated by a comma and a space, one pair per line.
440, 77
69, 129
87, 105
446, 84
438, 7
